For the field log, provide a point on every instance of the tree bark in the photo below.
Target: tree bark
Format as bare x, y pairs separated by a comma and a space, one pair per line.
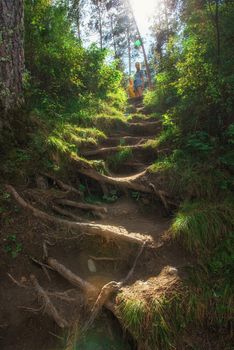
11, 57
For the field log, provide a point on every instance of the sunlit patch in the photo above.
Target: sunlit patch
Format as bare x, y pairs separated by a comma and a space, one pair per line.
143, 11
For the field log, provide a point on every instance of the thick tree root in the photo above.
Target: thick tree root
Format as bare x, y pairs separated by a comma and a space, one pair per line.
63, 186
97, 210
108, 150
126, 140
67, 213
47, 304
130, 182
70, 276
106, 231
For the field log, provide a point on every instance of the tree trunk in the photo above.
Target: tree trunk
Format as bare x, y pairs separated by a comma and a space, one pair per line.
11, 57
100, 24
217, 30
129, 53
142, 45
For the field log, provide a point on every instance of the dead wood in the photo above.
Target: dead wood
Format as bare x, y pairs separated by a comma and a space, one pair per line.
49, 308
106, 231
63, 185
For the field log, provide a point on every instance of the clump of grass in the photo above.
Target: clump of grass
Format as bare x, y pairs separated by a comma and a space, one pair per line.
68, 134
139, 116
120, 157
133, 314
160, 318
200, 225
109, 123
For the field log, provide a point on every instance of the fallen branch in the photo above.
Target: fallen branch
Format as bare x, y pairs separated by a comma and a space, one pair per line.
106, 231
49, 308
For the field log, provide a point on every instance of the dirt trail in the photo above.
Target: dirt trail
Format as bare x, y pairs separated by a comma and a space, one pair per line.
95, 259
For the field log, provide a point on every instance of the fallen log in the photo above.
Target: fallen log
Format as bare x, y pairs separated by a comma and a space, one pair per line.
106, 231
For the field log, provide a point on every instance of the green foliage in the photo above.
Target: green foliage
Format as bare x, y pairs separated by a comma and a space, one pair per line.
70, 92
55, 58
135, 195
202, 225
111, 197
161, 318
13, 247
120, 157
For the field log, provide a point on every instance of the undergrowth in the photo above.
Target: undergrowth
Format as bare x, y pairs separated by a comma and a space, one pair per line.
119, 157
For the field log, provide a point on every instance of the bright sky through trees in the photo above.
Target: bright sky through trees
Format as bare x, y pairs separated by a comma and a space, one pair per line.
143, 11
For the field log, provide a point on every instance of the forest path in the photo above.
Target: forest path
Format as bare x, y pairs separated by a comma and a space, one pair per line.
112, 232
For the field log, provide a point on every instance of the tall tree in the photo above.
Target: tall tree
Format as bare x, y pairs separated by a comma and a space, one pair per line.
12, 57
98, 19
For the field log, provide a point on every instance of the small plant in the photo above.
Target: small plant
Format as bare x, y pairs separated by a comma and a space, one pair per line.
135, 195
12, 247
121, 156
82, 187
111, 197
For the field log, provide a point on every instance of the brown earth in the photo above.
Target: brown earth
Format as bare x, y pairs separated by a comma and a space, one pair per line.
23, 328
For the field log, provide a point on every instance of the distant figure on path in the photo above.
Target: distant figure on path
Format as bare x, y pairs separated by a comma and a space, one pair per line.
138, 80
131, 92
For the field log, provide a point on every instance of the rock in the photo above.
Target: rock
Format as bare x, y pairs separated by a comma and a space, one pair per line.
92, 266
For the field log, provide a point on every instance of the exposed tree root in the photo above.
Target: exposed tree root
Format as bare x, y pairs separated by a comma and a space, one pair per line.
62, 185
108, 150
106, 231
67, 213
47, 304
70, 276
136, 182
41, 182
127, 140
102, 258
96, 209
130, 182
108, 289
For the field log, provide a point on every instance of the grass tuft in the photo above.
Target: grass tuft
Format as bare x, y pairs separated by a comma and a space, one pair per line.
200, 225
